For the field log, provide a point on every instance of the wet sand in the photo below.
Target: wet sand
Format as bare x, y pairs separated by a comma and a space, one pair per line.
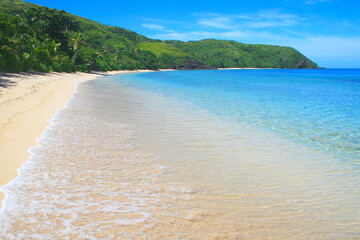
27, 103
116, 163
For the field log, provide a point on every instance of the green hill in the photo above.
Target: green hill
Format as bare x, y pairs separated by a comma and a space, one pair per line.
231, 54
37, 38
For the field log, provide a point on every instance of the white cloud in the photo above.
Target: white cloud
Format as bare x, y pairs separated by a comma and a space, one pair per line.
270, 18
262, 19
249, 27
275, 14
268, 24
153, 27
312, 2
217, 22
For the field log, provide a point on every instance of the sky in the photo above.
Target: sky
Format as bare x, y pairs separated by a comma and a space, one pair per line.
326, 31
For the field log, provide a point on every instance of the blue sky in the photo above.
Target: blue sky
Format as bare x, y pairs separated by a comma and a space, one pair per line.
326, 31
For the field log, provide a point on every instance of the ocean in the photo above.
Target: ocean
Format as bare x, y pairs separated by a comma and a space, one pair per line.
217, 154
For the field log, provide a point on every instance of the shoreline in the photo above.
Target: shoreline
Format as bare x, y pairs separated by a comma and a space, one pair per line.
28, 102
245, 68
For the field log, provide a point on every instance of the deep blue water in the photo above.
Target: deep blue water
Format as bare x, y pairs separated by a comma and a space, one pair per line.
318, 108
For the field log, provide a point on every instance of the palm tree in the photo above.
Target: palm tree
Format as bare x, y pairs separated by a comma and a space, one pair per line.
75, 43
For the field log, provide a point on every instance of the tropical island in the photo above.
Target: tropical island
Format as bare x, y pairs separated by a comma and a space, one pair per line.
37, 38
101, 139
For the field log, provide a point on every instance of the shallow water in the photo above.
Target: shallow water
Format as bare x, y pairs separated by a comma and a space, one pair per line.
128, 160
318, 108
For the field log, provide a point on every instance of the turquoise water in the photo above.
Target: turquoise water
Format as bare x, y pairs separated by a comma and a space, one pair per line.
233, 154
318, 108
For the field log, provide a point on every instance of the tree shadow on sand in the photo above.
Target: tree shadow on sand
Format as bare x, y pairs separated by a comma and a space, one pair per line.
6, 83
5, 78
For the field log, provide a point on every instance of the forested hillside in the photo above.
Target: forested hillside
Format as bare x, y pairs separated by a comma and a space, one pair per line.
37, 38
231, 54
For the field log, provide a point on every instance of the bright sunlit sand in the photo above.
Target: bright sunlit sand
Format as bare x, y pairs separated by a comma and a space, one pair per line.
27, 104
188, 120
155, 156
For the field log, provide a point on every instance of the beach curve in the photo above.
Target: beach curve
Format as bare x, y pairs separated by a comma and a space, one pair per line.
28, 101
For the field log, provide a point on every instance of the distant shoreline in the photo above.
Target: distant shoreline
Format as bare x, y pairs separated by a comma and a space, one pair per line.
244, 68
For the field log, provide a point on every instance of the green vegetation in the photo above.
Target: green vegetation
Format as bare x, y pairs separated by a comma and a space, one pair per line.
231, 54
167, 55
43, 39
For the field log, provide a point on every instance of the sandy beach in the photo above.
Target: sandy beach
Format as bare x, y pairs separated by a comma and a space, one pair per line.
169, 155
28, 101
